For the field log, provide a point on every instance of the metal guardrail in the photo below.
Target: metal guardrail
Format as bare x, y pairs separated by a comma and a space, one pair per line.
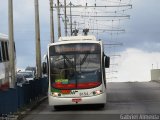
12, 100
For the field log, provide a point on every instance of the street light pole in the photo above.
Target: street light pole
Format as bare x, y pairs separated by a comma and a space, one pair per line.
51, 22
11, 44
58, 16
65, 17
71, 18
38, 47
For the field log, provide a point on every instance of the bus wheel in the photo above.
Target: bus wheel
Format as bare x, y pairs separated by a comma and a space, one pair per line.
101, 106
56, 108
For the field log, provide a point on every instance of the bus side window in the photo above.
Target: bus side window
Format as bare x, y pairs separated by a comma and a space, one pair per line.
6, 50
0, 53
3, 51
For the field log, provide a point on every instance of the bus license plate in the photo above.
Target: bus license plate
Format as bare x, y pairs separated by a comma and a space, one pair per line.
76, 100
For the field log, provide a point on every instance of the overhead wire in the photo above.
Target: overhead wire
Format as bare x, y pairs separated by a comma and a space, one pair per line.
95, 22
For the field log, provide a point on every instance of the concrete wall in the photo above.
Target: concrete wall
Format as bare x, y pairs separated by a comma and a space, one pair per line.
155, 74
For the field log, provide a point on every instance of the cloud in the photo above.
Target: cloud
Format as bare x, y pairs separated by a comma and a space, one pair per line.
21, 60
24, 28
135, 65
142, 28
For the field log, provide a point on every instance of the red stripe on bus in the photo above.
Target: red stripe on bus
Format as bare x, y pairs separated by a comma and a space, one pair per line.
4, 86
73, 86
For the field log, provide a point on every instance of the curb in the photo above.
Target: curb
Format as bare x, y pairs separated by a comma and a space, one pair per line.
157, 81
35, 104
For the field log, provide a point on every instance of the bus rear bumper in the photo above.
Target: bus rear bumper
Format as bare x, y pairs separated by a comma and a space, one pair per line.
99, 99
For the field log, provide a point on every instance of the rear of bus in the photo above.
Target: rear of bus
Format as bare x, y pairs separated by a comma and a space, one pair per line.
76, 74
4, 62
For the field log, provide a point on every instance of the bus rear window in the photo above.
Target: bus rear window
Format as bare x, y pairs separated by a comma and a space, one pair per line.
6, 50
3, 51
76, 70
0, 53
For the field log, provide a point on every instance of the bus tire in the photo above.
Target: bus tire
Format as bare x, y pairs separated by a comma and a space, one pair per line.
56, 108
101, 106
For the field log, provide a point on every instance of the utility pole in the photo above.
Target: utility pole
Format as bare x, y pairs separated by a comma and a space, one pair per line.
11, 44
71, 18
65, 17
38, 47
58, 16
75, 23
51, 22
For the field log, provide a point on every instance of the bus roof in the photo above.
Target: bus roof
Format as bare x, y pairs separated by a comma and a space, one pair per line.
3, 37
78, 38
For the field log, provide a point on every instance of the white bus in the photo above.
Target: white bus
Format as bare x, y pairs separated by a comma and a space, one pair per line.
76, 71
4, 62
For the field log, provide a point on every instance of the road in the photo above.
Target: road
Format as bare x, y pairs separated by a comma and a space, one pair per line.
125, 100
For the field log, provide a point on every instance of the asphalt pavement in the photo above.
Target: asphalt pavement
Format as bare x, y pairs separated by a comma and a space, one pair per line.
129, 100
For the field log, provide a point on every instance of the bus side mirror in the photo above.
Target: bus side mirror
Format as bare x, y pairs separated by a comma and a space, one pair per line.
107, 62
44, 67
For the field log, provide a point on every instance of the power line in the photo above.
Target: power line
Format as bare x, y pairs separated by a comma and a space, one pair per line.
105, 6
127, 16
121, 30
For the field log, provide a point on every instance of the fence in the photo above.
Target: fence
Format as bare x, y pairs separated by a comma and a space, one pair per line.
12, 100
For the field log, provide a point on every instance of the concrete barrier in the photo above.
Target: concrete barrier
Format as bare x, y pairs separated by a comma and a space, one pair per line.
155, 75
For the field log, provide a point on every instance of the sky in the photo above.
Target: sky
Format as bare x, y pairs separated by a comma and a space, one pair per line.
139, 53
